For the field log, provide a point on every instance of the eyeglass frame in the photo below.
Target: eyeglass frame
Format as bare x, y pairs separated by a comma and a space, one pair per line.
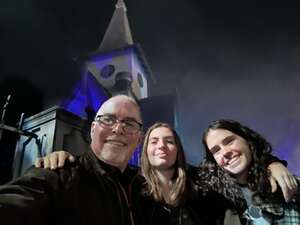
122, 122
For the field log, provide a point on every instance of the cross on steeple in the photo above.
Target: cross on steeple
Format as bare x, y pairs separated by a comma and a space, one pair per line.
121, 4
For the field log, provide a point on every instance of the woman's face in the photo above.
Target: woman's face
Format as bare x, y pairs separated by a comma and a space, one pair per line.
161, 149
230, 151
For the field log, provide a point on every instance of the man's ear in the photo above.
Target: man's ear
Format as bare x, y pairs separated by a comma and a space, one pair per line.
92, 129
141, 138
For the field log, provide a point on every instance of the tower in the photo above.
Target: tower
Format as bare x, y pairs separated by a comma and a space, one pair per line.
119, 63
117, 66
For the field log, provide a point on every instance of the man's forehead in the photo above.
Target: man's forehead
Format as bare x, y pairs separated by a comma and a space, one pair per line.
118, 105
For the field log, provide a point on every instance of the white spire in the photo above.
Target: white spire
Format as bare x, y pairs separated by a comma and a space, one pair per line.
121, 4
118, 34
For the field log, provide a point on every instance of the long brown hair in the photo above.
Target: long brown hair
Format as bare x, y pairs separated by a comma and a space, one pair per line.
153, 186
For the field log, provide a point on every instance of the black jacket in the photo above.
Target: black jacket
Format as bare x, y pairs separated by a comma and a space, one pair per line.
82, 193
199, 208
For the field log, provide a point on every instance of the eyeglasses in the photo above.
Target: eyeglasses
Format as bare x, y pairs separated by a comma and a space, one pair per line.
129, 125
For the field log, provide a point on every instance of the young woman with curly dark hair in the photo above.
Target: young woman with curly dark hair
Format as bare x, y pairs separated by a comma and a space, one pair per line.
243, 155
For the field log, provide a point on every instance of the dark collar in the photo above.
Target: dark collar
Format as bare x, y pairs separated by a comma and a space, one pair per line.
105, 169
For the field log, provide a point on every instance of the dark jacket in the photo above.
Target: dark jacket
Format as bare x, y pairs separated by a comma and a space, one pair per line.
199, 208
82, 193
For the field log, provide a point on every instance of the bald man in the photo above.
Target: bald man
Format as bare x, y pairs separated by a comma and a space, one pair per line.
92, 190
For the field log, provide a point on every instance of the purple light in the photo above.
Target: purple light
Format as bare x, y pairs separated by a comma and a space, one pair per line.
88, 93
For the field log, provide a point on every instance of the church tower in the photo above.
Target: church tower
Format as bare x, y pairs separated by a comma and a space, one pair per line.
119, 63
118, 66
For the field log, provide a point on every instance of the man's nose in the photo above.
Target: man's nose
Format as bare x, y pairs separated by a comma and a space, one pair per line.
118, 128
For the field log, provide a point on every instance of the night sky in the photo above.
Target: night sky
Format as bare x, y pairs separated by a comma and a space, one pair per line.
238, 63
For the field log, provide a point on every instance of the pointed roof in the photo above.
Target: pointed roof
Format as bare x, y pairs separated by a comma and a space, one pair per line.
118, 34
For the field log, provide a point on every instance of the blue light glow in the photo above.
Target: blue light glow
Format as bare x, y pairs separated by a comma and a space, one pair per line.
88, 93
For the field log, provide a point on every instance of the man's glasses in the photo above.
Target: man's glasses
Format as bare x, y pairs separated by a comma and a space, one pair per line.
129, 125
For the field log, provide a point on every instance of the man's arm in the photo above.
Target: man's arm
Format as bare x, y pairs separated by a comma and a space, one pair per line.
282, 176
286, 181
27, 199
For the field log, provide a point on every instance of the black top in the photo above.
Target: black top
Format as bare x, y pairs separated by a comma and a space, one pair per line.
199, 208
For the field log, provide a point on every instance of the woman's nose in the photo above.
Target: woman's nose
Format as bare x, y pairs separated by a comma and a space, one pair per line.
226, 152
161, 144
225, 157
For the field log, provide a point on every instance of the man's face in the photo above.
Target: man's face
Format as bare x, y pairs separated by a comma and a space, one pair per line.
112, 144
230, 151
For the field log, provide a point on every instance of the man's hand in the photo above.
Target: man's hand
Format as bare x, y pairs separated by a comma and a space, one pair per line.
286, 181
54, 160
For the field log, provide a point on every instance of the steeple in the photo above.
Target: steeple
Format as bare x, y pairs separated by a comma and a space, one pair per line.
118, 34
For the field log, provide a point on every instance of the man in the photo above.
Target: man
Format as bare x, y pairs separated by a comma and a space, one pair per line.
93, 189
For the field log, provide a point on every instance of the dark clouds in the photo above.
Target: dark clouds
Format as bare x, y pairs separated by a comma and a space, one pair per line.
240, 63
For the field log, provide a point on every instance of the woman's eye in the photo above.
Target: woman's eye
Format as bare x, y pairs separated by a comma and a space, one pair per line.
214, 150
228, 141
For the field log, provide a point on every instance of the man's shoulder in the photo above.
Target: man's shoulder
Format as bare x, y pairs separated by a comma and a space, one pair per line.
132, 169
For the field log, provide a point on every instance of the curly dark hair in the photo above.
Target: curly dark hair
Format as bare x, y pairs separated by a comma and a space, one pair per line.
258, 174
209, 177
